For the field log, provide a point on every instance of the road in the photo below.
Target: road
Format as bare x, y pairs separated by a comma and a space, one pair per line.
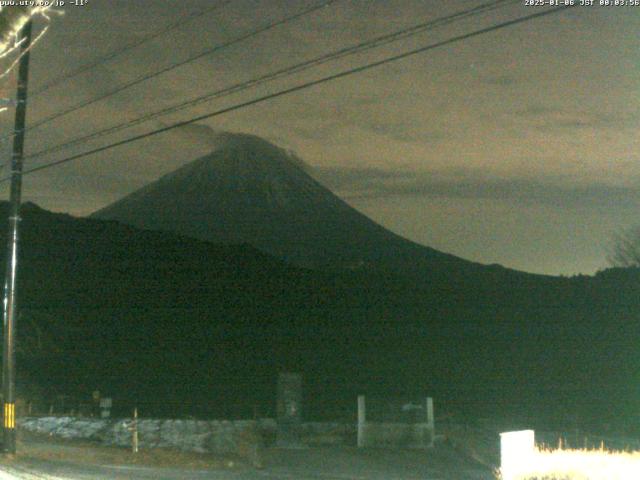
330, 463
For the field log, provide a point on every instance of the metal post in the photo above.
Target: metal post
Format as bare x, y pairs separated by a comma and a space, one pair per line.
362, 420
10, 302
431, 421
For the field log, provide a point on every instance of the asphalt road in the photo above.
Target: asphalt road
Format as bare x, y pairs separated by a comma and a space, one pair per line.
440, 463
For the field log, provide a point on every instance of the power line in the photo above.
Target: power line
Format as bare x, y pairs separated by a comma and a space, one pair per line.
171, 67
285, 72
116, 53
300, 87
373, 43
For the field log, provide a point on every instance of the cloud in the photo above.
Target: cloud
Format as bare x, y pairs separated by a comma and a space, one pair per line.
533, 111
368, 182
553, 119
395, 126
197, 133
403, 131
325, 125
500, 81
322, 133
357, 179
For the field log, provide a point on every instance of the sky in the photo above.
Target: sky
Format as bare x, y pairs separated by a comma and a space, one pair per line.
518, 147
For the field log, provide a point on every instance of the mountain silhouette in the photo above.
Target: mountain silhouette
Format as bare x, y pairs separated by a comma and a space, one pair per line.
250, 191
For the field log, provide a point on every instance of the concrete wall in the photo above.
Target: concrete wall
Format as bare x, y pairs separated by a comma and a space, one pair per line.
328, 433
388, 434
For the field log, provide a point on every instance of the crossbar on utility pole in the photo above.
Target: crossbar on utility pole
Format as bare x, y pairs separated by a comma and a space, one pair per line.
10, 301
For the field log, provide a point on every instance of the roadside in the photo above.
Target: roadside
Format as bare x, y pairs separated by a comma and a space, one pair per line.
45, 447
41, 457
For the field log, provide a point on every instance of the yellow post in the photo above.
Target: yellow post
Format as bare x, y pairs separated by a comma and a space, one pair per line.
9, 416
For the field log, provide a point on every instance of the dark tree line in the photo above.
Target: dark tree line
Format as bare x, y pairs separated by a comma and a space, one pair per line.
625, 251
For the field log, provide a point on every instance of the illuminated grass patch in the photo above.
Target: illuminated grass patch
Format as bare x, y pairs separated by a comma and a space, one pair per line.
521, 461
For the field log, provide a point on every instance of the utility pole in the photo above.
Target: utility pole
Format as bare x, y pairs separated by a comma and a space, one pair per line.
10, 302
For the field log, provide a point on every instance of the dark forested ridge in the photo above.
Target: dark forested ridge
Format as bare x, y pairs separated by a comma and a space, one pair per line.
187, 327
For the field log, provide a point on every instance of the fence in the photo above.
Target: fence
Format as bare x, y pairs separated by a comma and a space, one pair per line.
395, 422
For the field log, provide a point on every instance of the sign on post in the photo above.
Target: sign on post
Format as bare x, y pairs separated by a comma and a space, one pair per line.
289, 410
105, 407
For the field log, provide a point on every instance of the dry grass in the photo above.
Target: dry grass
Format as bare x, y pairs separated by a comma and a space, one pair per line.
563, 464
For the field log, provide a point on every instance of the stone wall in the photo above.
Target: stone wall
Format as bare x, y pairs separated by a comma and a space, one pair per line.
240, 437
215, 436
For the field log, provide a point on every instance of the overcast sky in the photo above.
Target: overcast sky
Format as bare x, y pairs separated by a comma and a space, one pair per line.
517, 147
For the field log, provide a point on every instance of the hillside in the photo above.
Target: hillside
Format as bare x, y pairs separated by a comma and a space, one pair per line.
184, 327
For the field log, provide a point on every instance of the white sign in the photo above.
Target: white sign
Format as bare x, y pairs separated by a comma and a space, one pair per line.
517, 450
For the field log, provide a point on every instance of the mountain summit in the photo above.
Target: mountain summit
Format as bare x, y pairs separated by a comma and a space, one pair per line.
250, 191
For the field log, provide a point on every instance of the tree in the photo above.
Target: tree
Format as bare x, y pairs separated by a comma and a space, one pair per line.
625, 251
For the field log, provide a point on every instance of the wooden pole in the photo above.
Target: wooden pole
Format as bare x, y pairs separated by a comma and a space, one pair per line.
134, 431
